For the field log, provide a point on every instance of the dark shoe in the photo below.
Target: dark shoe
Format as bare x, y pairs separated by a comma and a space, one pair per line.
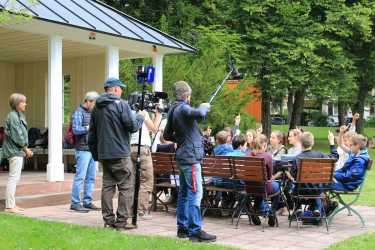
79, 208
255, 219
182, 233
126, 227
91, 206
202, 236
271, 221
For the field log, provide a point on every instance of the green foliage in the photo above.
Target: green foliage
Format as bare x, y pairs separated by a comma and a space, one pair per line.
319, 119
15, 15
370, 123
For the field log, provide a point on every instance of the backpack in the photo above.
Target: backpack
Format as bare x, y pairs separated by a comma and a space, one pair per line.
69, 137
34, 135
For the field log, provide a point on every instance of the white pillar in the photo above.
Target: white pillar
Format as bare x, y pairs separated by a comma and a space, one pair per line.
55, 167
112, 62
158, 82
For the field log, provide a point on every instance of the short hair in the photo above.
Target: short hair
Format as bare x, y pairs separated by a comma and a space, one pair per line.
91, 96
259, 142
238, 140
307, 140
221, 137
181, 90
16, 99
360, 140
279, 135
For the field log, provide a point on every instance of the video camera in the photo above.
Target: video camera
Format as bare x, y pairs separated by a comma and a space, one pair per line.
152, 101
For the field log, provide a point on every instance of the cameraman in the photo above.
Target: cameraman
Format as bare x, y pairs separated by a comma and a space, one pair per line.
147, 170
112, 121
182, 128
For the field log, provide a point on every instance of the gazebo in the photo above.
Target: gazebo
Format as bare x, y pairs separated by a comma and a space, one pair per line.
81, 39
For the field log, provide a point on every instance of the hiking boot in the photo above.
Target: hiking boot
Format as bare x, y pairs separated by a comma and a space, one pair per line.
91, 206
79, 208
182, 233
255, 219
202, 236
271, 220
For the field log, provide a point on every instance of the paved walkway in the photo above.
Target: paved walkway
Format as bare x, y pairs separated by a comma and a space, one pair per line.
245, 237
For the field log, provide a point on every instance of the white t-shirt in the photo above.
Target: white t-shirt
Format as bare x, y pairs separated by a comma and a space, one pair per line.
146, 137
163, 123
343, 157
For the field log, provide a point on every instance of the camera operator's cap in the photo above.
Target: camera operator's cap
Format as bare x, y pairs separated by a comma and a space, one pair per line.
112, 82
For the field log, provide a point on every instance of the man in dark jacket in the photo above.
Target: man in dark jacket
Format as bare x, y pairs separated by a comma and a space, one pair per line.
86, 167
182, 128
112, 121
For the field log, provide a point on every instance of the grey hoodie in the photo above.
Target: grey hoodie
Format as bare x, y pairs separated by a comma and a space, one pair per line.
111, 124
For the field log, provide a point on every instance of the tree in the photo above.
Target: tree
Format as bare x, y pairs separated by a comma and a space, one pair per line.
12, 14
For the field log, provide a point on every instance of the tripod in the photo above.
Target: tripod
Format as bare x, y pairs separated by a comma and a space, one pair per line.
138, 162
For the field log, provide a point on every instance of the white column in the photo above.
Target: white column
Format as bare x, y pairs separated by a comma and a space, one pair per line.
55, 167
112, 62
158, 63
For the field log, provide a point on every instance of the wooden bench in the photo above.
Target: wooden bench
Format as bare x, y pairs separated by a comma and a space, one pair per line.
348, 205
41, 155
253, 172
216, 167
314, 176
164, 167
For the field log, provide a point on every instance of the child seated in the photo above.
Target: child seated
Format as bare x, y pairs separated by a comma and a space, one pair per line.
352, 174
222, 148
277, 149
344, 143
259, 151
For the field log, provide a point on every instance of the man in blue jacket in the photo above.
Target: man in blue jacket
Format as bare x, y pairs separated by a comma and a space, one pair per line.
182, 128
352, 174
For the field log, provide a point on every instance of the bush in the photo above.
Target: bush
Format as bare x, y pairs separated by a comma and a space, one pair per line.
319, 119
370, 123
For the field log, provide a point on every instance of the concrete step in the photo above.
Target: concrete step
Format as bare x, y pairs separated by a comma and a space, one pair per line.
44, 187
46, 199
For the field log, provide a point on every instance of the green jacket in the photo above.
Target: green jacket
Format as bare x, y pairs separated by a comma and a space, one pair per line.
16, 136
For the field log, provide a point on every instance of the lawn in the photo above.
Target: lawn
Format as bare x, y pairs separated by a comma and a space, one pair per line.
366, 241
26, 233
321, 144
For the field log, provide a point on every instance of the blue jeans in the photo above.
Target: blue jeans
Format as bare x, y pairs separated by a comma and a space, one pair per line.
189, 198
85, 174
261, 205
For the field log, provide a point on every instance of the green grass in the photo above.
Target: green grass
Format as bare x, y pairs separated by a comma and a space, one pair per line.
26, 233
365, 241
367, 197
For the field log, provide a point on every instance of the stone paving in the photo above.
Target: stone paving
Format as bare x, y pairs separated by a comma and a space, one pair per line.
245, 237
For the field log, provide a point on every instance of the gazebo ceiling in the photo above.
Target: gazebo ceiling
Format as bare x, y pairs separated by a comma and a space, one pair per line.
19, 46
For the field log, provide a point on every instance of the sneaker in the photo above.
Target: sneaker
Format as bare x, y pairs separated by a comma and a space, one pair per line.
316, 213
79, 208
255, 219
143, 216
109, 226
202, 236
182, 233
126, 227
91, 206
271, 220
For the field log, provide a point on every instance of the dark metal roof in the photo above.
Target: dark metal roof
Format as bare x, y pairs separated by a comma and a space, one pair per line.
96, 16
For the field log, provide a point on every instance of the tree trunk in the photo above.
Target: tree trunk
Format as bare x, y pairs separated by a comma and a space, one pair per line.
359, 106
299, 102
266, 109
290, 104
341, 108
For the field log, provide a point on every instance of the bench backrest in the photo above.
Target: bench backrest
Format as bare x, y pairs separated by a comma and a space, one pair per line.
253, 171
217, 166
164, 163
315, 170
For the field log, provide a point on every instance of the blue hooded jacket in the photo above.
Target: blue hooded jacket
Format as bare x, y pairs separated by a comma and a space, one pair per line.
352, 174
223, 149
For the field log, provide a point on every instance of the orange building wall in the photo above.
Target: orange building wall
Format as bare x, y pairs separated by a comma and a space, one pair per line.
254, 107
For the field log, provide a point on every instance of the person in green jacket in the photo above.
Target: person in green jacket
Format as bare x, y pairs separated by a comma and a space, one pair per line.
15, 148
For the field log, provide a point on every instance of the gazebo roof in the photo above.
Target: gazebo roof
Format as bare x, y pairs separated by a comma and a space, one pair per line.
98, 17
